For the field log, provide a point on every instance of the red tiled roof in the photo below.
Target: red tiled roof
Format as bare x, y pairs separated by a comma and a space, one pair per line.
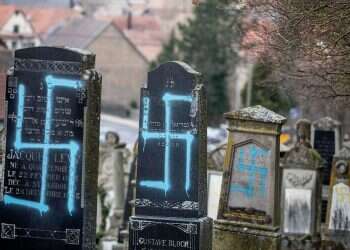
42, 19
6, 12
145, 34
142, 23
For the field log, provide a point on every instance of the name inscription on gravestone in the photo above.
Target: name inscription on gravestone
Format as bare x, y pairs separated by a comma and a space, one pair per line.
42, 200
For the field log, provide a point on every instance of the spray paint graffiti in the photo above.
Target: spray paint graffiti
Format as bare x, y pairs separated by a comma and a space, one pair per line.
168, 136
72, 147
250, 163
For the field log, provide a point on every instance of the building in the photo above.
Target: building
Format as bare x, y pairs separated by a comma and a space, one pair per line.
42, 3
144, 32
5, 62
123, 65
23, 26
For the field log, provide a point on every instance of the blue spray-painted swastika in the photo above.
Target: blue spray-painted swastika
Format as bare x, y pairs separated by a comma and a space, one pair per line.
46, 146
252, 164
168, 136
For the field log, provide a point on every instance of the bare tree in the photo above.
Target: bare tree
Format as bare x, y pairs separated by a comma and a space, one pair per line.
308, 42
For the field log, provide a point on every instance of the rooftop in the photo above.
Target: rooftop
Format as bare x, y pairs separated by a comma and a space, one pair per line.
144, 32
42, 19
78, 33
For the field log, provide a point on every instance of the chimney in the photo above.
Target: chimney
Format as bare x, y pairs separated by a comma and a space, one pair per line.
71, 4
129, 20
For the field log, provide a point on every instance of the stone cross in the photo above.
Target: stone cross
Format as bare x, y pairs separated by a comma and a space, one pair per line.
48, 196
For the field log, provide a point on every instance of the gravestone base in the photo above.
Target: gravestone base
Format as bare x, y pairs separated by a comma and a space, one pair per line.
159, 233
230, 235
341, 237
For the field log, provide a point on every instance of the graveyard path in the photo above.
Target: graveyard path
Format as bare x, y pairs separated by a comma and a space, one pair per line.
126, 128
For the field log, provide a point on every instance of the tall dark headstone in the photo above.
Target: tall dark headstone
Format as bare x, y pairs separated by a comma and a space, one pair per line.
171, 177
326, 140
48, 196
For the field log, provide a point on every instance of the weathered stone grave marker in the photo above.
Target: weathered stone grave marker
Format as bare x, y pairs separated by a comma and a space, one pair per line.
301, 193
48, 200
338, 216
326, 140
171, 177
248, 216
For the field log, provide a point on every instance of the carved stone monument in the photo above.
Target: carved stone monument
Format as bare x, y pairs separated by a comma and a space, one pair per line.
48, 199
301, 193
171, 196
338, 216
326, 140
249, 210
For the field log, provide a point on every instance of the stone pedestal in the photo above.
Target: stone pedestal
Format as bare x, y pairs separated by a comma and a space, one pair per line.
230, 235
159, 233
248, 216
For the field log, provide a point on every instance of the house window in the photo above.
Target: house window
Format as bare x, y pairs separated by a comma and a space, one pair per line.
15, 28
14, 44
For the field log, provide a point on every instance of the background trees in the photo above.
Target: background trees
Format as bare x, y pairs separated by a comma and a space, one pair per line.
308, 44
208, 42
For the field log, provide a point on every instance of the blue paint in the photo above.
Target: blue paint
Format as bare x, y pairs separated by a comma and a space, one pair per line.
21, 202
145, 113
248, 165
168, 136
46, 146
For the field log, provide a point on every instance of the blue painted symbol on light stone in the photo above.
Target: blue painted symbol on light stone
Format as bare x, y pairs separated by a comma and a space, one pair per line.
253, 166
168, 136
46, 146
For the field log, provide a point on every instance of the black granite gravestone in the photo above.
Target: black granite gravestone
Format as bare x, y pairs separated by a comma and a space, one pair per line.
326, 141
324, 144
48, 196
171, 175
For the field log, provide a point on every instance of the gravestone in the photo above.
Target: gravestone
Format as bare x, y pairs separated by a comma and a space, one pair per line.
171, 194
48, 200
249, 208
326, 140
301, 193
338, 216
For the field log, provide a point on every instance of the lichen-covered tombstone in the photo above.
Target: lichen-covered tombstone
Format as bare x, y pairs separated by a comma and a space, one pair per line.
249, 206
338, 212
301, 193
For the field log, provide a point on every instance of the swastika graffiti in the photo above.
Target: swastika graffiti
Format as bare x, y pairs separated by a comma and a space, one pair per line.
72, 147
250, 165
168, 136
